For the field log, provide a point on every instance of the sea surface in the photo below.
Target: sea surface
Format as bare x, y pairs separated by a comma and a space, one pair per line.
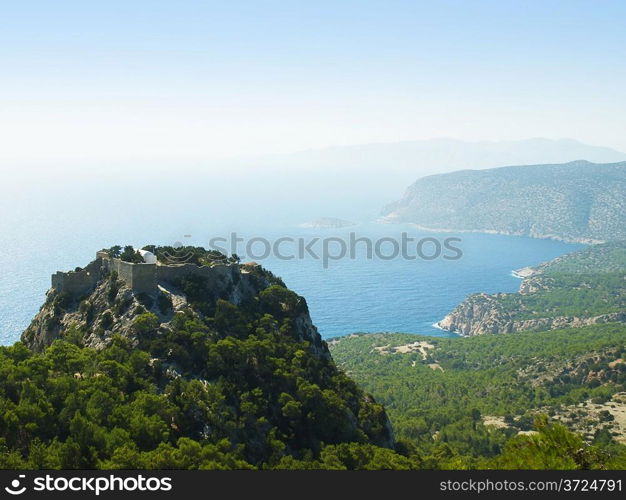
403, 295
55, 226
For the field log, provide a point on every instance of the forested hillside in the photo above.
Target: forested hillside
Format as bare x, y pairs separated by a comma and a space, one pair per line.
470, 402
229, 373
576, 201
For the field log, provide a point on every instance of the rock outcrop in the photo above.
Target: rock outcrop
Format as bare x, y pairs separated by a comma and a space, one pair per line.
101, 303
483, 314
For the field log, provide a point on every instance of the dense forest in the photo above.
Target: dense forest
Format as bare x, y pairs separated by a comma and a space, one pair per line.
265, 403
569, 294
468, 402
605, 258
586, 283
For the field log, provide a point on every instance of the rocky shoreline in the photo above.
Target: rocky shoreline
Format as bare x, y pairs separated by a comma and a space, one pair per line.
472, 321
482, 313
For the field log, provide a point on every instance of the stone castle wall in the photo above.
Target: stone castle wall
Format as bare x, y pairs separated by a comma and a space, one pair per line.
141, 278
78, 282
174, 273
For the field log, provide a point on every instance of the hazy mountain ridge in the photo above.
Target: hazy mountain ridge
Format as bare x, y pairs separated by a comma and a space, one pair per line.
444, 155
577, 201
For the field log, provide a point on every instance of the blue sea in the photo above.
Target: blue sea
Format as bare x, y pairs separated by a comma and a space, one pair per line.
54, 226
399, 295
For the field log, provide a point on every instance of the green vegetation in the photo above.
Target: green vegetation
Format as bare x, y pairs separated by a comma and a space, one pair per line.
605, 258
120, 408
578, 295
229, 373
571, 290
127, 254
173, 255
73, 407
437, 398
586, 283
240, 388
190, 255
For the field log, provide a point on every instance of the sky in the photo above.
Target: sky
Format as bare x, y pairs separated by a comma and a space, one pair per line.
137, 80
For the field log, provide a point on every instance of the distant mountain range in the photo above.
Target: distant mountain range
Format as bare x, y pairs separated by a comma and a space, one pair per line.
352, 182
575, 201
282, 190
432, 156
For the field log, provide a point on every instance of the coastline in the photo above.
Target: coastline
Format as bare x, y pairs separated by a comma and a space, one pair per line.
522, 273
525, 272
583, 241
439, 327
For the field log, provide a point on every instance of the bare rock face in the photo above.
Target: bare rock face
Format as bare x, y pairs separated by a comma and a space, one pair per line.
532, 285
482, 314
583, 288
477, 314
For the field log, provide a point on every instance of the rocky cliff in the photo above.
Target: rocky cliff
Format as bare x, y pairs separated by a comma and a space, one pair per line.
483, 314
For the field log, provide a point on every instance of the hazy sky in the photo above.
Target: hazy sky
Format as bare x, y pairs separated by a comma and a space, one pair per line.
99, 80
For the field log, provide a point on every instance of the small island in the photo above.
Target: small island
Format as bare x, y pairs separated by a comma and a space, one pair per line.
327, 223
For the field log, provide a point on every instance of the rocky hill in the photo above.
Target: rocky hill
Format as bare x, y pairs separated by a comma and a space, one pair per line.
218, 357
110, 298
577, 201
583, 288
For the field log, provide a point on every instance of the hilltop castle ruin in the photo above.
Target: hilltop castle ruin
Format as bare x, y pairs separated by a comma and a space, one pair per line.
141, 277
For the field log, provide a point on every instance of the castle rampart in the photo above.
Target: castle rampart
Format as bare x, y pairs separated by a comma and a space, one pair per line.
78, 282
174, 273
140, 277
